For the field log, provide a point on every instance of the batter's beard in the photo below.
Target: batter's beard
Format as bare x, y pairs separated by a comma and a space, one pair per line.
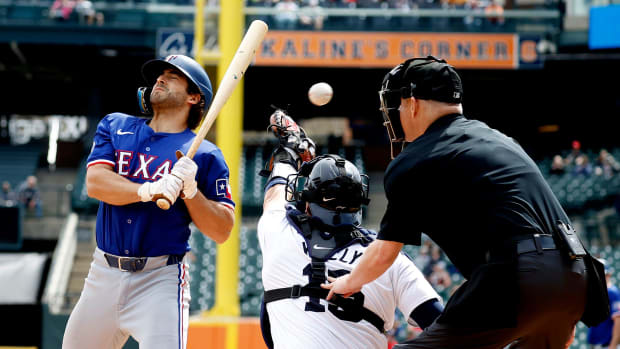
164, 99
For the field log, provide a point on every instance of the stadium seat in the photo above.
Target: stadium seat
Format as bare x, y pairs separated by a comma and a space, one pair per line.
18, 162
202, 263
19, 12
80, 201
250, 266
253, 184
130, 18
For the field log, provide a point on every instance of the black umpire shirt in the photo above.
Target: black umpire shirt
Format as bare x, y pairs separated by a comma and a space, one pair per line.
469, 188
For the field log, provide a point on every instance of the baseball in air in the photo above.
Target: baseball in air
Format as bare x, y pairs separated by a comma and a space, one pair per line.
320, 93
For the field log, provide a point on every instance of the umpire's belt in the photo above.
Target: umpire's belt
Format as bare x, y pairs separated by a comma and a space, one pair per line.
538, 242
524, 244
134, 264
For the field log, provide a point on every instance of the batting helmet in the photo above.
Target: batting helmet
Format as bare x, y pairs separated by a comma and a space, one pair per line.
334, 190
194, 73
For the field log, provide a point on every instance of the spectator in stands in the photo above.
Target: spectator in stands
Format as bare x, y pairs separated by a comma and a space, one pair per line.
495, 13
557, 165
312, 16
436, 255
440, 279
286, 18
615, 336
407, 6
29, 196
87, 14
392, 334
600, 336
423, 257
606, 164
7, 196
575, 152
412, 332
582, 166
471, 22
61, 10
444, 22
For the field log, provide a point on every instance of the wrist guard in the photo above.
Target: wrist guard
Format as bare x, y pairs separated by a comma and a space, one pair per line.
281, 155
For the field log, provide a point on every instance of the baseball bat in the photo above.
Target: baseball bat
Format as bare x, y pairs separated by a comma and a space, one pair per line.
236, 69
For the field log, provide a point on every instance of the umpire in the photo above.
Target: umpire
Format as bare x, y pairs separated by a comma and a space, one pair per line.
479, 196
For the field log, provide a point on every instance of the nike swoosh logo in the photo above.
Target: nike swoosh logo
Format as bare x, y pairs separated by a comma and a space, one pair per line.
328, 199
317, 247
120, 132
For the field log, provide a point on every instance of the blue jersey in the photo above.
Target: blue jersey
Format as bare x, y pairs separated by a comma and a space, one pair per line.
140, 154
601, 333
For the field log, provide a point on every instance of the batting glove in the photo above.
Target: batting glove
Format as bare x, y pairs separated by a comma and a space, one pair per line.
168, 187
185, 169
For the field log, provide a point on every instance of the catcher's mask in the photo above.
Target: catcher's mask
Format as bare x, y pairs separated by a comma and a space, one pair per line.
422, 78
333, 188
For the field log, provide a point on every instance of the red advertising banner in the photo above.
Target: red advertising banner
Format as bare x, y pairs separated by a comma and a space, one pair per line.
385, 49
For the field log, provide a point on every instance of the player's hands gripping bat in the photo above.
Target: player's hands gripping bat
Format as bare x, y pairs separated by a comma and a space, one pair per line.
294, 146
186, 169
168, 187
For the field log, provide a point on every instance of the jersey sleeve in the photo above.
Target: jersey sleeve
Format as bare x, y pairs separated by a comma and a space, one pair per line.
410, 287
271, 225
102, 151
213, 179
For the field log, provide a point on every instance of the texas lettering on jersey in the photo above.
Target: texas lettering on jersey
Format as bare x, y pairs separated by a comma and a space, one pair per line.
141, 165
140, 154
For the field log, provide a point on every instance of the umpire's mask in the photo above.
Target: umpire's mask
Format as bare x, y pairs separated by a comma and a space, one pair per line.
422, 78
390, 99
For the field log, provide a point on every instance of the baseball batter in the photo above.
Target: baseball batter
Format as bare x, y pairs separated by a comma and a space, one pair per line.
138, 281
301, 249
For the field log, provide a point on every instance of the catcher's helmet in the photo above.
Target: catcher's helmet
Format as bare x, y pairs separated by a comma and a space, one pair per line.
194, 73
334, 190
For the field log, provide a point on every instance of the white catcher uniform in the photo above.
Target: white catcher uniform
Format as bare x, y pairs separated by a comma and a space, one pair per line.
285, 258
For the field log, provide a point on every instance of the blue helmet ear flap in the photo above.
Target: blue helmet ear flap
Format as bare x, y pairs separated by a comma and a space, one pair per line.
144, 100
